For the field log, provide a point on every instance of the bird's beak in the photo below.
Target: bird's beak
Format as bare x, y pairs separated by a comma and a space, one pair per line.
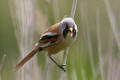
71, 31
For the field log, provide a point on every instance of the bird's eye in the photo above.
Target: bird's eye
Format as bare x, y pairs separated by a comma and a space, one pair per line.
66, 26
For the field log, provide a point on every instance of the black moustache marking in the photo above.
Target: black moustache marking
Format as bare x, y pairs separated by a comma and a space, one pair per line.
65, 32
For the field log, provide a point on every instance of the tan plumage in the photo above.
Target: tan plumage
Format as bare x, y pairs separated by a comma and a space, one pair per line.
28, 56
53, 40
53, 29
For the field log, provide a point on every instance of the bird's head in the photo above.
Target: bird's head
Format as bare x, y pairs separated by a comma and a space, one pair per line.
68, 27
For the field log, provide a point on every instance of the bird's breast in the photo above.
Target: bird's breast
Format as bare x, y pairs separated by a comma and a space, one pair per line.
61, 44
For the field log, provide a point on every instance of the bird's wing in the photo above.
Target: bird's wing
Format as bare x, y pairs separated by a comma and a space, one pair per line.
48, 39
50, 36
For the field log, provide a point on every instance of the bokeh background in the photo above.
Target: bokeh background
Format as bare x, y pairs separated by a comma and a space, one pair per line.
95, 55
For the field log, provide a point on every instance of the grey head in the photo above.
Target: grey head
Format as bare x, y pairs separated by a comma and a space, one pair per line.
68, 26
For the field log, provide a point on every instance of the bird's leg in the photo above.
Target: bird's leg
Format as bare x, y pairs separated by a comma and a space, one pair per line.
40, 49
60, 66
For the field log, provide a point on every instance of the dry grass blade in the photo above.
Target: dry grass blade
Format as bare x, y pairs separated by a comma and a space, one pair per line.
23, 16
56, 11
66, 51
47, 60
64, 63
83, 74
99, 45
2, 61
110, 57
113, 23
73, 8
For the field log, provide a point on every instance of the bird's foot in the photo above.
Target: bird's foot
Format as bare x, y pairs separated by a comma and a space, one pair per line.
62, 67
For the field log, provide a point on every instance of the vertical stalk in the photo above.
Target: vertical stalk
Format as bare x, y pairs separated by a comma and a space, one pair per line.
23, 16
66, 50
47, 59
56, 11
99, 46
73, 8
113, 23
2, 62
64, 62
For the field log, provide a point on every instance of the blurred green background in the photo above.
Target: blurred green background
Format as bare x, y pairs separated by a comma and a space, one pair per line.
94, 55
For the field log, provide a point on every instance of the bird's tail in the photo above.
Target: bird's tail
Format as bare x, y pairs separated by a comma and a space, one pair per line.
27, 57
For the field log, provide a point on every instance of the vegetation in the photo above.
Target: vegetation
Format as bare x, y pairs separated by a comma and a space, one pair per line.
94, 56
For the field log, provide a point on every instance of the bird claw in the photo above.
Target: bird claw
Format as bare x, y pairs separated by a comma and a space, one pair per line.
62, 67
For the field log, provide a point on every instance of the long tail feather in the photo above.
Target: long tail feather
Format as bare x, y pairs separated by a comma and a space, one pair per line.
26, 58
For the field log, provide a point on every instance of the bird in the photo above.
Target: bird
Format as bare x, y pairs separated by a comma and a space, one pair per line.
55, 39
